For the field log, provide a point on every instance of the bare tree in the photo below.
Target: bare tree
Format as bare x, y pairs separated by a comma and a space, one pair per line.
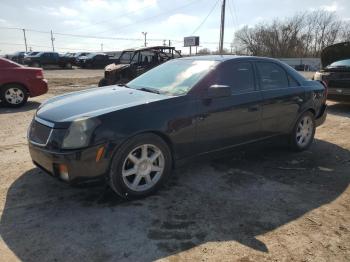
304, 34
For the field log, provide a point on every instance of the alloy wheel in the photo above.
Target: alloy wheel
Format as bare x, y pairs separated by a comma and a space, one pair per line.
14, 96
304, 131
143, 167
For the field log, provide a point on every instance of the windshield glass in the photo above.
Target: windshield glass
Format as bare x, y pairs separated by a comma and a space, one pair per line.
175, 77
341, 63
125, 57
90, 55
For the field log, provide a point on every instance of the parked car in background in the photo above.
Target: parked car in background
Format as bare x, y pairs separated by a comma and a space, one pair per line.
17, 83
134, 135
95, 60
31, 53
335, 71
17, 57
44, 59
134, 62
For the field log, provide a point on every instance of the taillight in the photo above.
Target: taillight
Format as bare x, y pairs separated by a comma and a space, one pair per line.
39, 74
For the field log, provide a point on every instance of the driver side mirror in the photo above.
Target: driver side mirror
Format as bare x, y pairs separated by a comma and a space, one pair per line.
216, 91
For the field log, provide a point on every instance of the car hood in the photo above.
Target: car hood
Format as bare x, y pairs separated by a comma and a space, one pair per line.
335, 53
93, 102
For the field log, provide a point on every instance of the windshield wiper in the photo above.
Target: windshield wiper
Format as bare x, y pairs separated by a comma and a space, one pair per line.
151, 90
124, 85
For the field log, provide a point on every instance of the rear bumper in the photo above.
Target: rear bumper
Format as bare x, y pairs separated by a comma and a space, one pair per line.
81, 164
322, 116
37, 87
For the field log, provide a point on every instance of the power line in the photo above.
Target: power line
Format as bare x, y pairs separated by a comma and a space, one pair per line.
205, 19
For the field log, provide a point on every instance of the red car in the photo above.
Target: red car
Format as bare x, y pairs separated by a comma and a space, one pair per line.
18, 82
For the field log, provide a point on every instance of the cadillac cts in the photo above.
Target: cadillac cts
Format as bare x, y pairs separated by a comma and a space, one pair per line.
134, 135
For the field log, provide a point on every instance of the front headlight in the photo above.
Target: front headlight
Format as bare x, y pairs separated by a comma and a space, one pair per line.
79, 133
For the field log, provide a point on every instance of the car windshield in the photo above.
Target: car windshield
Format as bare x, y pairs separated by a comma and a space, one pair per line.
91, 55
125, 57
341, 63
175, 77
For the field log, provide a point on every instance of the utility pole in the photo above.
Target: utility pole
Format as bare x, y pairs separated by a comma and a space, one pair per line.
145, 35
52, 39
222, 27
101, 47
25, 39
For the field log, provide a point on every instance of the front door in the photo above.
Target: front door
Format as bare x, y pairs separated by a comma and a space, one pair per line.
233, 120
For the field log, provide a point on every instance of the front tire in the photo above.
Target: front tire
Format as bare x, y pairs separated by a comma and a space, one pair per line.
13, 95
303, 132
140, 166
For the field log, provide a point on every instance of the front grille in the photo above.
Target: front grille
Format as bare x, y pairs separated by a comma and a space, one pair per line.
38, 133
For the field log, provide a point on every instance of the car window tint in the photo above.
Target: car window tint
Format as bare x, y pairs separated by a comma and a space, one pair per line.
271, 76
239, 76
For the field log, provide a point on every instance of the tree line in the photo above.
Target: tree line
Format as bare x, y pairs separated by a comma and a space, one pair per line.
303, 35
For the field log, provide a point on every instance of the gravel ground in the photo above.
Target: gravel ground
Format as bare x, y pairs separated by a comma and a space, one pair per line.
260, 203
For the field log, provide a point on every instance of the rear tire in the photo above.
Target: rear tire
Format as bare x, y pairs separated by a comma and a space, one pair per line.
140, 166
303, 132
68, 65
13, 95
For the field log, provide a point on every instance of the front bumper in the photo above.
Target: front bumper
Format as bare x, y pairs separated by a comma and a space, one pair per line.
81, 164
322, 116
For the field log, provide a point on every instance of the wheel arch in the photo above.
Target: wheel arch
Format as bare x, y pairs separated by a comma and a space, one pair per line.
160, 134
16, 83
306, 109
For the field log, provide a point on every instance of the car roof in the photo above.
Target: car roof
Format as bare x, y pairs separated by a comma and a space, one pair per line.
222, 58
150, 48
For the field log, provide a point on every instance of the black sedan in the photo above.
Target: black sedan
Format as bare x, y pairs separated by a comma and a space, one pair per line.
335, 71
134, 135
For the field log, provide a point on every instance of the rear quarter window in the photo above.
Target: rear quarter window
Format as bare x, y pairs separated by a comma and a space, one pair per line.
271, 76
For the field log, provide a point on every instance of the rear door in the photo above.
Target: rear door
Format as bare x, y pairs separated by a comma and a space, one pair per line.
283, 96
232, 120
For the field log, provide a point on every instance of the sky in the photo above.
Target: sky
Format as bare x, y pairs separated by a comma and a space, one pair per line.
112, 25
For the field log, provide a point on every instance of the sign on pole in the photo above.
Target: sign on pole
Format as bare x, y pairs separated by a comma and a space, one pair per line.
191, 41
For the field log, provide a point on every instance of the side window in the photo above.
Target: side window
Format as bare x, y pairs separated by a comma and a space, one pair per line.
99, 57
135, 58
146, 57
239, 76
46, 55
271, 76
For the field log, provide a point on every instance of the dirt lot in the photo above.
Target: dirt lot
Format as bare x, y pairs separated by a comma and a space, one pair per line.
258, 203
